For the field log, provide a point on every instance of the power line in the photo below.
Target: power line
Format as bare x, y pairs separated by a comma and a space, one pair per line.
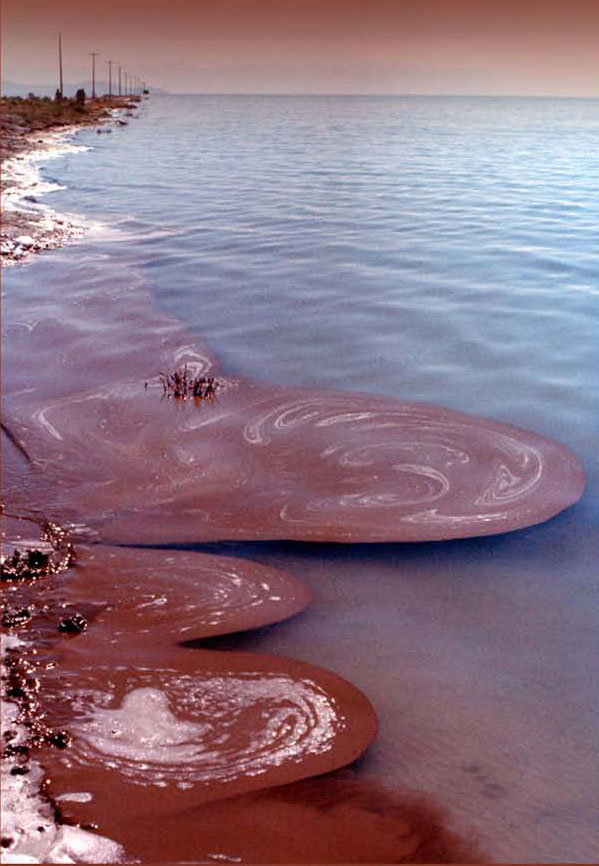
93, 54
60, 63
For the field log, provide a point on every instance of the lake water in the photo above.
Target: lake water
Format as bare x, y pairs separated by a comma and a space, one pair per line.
427, 249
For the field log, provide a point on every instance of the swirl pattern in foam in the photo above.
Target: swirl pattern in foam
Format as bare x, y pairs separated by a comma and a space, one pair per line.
147, 741
176, 595
267, 462
203, 725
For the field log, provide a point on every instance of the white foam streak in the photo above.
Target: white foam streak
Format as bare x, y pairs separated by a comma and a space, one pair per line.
196, 730
145, 726
23, 184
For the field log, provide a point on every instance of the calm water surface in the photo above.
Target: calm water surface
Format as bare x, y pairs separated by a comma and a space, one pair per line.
428, 249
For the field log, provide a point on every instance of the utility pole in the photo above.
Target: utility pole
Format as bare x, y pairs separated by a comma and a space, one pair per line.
94, 54
109, 64
120, 92
60, 63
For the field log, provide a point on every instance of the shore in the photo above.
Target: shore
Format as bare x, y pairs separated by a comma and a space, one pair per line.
30, 829
32, 129
37, 825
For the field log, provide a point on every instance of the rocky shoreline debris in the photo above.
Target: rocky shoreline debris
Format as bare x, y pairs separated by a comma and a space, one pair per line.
23, 119
36, 563
75, 624
49, 230
32, 831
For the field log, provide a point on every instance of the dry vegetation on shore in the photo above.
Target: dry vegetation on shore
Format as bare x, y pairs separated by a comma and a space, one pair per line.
19, 116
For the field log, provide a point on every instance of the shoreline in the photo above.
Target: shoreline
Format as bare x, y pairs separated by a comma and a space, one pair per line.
28, 225
31, 832
36, 825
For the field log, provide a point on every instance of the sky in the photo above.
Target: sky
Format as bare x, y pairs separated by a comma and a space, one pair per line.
472, 47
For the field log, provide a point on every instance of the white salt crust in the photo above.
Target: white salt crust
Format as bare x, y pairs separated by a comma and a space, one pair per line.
27, 818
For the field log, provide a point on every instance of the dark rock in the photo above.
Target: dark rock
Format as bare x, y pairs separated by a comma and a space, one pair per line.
73, 624
60, 739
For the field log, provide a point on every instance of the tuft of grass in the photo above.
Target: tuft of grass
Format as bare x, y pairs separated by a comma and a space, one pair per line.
181, 384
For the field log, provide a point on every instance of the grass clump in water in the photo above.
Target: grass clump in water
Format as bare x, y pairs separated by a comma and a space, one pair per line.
182, 385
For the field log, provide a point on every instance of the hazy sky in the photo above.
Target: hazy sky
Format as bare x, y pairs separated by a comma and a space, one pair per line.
544, 47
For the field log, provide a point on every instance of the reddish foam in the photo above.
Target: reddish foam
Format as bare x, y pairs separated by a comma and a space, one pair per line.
266, 462
169, 730
165, 595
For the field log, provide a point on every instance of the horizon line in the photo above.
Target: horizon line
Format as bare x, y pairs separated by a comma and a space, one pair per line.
307, 94
372, 93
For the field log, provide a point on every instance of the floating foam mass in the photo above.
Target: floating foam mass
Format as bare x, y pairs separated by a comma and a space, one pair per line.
262, 462
198, 727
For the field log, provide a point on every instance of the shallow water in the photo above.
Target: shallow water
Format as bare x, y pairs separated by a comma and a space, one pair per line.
424, 249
